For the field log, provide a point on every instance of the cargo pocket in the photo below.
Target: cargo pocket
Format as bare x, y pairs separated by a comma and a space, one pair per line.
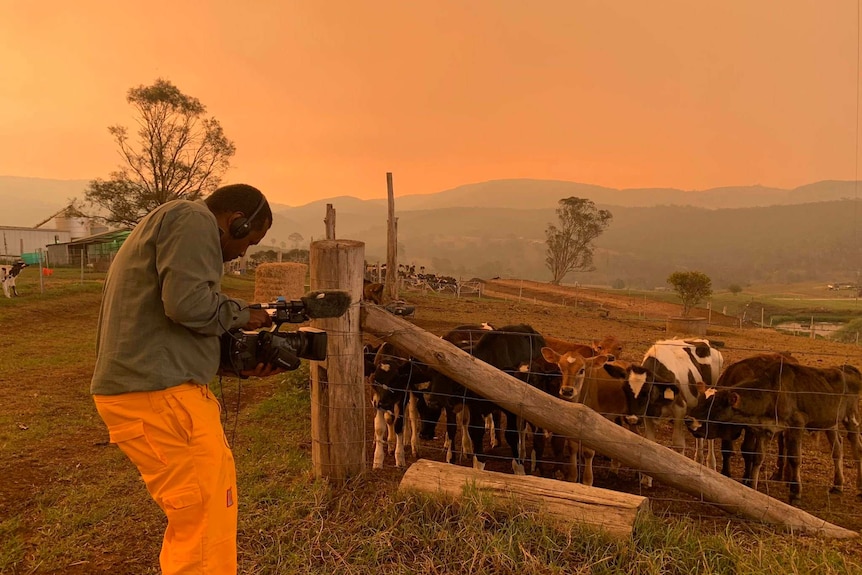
132, 439
184, 538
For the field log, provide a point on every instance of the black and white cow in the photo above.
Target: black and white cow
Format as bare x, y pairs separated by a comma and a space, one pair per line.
395, 381
399, 382
8, 274
685, 362
508, 349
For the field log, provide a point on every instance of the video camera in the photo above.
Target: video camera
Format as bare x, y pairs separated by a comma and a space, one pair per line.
243, 350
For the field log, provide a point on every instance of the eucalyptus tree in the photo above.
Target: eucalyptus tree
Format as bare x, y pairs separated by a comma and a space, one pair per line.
177, 152
570, 243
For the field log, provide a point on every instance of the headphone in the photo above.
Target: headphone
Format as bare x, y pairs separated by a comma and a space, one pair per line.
241, 227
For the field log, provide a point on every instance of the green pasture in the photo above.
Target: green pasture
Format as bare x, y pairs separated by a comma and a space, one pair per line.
780, 303
71, 503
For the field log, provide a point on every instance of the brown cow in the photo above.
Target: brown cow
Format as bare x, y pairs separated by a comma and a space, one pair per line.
733, 375
789, 398
602, 385
372, 292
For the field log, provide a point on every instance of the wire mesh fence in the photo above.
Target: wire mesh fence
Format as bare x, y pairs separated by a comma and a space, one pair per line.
431, 441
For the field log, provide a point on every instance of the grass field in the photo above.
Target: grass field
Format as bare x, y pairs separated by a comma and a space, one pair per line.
778, 302
71, 503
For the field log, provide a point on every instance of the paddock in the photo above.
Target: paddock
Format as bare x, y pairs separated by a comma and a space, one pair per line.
670, 468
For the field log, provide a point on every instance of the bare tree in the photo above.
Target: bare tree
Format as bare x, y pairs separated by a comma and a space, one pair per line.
180, 154
570, 246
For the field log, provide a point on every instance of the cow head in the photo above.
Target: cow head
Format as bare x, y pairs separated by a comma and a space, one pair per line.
373, 292
714, 409
369, 355
649, 392
572, 368
609, 346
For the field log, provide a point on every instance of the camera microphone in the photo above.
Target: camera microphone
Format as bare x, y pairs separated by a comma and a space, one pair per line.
326, 303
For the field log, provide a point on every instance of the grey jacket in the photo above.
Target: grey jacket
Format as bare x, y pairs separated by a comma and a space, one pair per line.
162, 310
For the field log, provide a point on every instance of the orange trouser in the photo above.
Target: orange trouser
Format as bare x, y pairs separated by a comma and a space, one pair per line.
175, 438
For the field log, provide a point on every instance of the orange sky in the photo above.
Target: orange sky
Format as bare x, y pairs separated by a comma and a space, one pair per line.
322, 98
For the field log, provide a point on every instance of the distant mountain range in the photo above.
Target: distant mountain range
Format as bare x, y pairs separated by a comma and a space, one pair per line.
496, 228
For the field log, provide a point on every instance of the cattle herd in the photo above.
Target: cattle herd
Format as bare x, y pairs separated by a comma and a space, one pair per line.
757, 399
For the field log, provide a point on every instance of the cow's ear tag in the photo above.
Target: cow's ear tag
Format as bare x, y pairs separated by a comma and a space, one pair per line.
710, 392
668, 394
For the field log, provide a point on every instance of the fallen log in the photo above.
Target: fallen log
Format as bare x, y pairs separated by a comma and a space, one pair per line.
611, 511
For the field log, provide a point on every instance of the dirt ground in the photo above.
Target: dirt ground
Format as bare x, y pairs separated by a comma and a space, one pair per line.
582, 315
578, 315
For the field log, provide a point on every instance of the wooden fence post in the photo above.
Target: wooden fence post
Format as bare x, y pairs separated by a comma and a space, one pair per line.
391, 244
337, 385
329, 222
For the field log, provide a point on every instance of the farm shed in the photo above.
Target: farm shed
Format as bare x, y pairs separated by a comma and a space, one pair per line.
59, 229
16, 241
98, 250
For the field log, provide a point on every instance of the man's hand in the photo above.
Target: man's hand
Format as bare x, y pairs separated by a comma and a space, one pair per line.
262, 370
259, 318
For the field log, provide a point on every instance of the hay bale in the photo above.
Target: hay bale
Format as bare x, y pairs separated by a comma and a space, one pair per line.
279, 279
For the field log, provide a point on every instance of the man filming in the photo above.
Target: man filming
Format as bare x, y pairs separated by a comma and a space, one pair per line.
157, 348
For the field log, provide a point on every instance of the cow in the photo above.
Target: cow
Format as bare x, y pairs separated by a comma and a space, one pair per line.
701, 425
545, 377
573, 368
685, 362
507, 349
369, 355
465, 337
399, 383
372, 292
609, 387
394, 383
8, 276
468, 335
790, 398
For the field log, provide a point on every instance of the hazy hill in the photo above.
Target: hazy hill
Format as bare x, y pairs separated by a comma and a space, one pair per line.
734, 234
34, 199
540, 194
546, 193
642, 246
27, 201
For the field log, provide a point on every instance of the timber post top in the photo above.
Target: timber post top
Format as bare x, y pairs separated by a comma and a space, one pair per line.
337, 244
